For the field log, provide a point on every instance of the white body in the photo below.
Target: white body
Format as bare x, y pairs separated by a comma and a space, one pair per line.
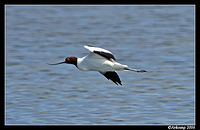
95, 62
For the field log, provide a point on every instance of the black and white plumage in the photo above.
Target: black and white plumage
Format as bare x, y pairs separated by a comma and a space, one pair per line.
100, 60
113, 76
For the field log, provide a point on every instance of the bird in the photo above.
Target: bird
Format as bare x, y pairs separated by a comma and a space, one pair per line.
100, 60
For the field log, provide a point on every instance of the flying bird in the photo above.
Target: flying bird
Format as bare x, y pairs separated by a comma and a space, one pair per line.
101, 60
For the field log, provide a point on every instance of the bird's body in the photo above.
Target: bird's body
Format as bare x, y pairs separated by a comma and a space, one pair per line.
95, 62
99, 60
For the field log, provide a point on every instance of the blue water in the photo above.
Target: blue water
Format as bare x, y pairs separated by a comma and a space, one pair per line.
159, 39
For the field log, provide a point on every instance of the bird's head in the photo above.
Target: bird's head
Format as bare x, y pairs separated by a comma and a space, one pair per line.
68, 60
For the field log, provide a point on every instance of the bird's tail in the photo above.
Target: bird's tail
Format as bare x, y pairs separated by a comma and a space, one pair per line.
136, 70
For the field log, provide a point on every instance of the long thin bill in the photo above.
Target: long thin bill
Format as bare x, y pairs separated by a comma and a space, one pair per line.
57, 63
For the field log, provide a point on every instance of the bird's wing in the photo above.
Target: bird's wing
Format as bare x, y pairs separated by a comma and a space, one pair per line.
112, 75
102, 52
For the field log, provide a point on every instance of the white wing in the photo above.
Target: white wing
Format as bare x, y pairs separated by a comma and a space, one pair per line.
92, 49
102, 52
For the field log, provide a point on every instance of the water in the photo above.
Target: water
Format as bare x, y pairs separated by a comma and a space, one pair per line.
159, 39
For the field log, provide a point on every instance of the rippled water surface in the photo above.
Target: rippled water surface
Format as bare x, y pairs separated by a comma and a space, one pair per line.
159, 39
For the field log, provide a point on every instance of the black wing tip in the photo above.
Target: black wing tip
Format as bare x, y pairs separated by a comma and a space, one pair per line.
118, 83
113, 76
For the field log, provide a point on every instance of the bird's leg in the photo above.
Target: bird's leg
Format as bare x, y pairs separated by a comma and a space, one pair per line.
136, 70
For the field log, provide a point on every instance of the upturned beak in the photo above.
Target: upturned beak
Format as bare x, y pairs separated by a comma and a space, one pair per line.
57, 63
